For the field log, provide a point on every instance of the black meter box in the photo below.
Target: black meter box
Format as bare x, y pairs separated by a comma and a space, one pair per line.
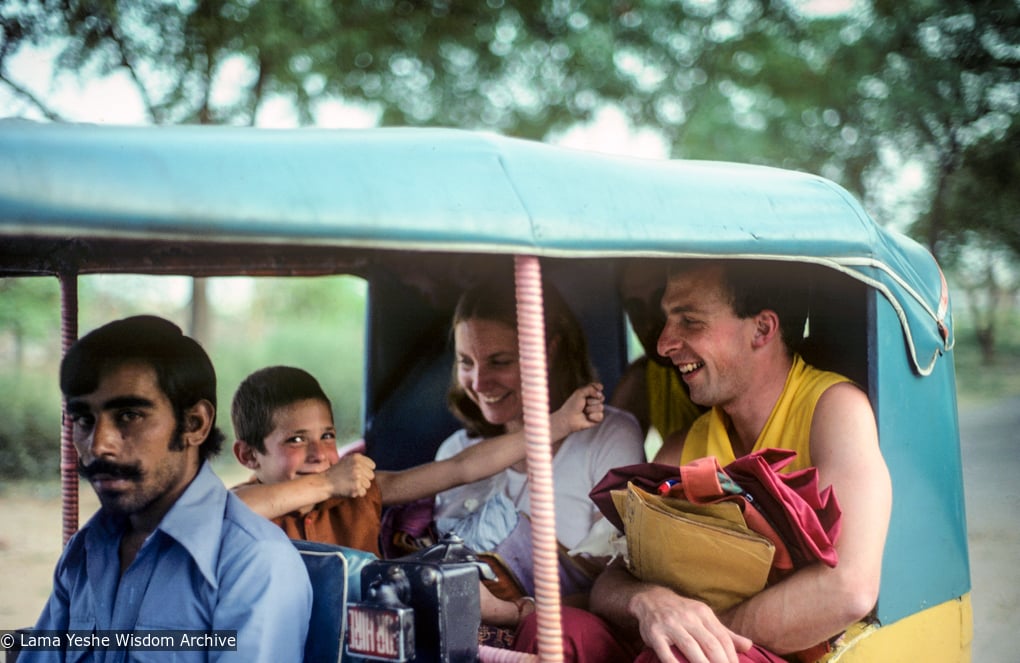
424, 607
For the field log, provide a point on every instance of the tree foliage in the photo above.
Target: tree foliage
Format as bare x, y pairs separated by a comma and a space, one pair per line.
748, 80
935, 81
986, 182
737, 79
29, 310
948, 90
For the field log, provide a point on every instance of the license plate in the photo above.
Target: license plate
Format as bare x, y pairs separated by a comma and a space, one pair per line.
382, 634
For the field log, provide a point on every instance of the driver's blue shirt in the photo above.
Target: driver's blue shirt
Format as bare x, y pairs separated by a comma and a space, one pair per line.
211, 564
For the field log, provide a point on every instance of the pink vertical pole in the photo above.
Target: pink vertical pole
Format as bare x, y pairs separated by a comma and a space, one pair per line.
535, 386
68, 455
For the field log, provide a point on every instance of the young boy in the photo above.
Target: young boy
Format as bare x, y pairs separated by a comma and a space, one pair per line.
283, 423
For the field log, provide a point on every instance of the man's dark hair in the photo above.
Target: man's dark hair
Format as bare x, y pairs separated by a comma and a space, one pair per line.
265, 391
183, 369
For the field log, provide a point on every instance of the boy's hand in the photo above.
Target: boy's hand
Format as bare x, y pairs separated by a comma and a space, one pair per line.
584, 409
352, 476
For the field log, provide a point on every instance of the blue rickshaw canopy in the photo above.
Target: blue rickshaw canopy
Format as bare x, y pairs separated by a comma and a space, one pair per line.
449, 190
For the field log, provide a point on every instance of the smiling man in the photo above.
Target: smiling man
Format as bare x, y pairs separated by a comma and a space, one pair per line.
170, 550
732, 330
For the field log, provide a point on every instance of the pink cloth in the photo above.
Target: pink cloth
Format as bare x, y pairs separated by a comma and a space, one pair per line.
406, 528
807, 519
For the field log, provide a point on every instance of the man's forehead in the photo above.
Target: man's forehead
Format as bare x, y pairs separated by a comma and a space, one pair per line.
125, 378
129, 370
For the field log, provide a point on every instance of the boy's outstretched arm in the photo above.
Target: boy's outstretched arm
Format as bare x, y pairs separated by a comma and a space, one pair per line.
350, 477
584, 409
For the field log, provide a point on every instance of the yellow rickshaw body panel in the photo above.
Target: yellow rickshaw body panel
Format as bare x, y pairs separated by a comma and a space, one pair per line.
941, 634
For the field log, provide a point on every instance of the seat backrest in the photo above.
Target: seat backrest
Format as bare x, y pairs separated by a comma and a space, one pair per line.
335, 574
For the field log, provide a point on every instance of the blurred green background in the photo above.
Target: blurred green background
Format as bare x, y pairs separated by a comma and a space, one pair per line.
312, 323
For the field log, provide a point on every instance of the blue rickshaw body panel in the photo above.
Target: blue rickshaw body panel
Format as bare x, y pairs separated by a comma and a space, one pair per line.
926, 556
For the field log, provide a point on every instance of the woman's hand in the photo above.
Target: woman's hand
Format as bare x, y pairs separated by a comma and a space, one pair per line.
352, 476
585, 408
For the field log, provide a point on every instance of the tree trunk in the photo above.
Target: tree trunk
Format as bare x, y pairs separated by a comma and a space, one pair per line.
986, 343
200, 317
936, 218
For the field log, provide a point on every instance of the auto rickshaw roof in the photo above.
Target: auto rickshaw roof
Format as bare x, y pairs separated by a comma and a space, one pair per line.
433, 190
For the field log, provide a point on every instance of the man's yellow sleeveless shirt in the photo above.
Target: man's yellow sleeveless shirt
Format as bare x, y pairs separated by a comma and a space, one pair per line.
788, 427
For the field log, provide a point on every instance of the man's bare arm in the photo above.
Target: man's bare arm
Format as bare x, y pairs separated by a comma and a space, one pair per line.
818, 602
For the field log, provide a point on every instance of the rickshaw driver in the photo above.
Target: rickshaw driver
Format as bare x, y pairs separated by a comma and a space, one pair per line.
170, 549
736, 355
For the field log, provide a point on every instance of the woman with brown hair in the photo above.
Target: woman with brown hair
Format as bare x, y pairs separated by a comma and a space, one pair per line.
485, 394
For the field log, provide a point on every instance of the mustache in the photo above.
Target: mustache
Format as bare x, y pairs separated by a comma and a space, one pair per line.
108, 468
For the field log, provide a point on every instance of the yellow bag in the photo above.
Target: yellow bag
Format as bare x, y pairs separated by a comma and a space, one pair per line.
702, 551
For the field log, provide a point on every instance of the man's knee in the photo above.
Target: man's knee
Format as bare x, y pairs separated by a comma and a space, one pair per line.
586, 638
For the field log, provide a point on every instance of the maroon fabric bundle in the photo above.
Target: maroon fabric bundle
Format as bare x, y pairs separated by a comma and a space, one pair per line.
787, 508
646, 476
807, 520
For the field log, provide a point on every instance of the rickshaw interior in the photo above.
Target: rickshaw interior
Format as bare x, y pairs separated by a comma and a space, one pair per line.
411, 358
411, 296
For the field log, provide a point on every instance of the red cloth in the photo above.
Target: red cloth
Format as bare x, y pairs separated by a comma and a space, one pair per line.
808, 520
586, 638
754, 655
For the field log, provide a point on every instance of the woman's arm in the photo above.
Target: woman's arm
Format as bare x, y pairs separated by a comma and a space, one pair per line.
351, 477
583, 409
